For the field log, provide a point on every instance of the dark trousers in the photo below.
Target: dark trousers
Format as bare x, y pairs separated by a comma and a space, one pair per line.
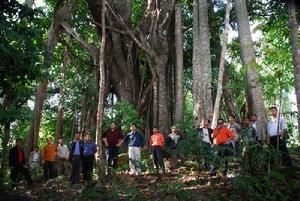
282, 148
49, 170
75, 170
222, 151
87, 167
157, 154
112, 156
16, 171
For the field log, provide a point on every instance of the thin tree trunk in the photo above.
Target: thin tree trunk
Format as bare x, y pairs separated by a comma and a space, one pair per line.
253, 88
100, 108
54, 30
179, 102
202, 99
4, 150
221, 67
60, 110
295, 51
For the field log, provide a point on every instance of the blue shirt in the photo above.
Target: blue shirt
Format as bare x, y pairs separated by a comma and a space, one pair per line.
89, 148
135, 139
77, 149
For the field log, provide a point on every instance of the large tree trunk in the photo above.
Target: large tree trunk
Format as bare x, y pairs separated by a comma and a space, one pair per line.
295, 51
101, 98
62, 14
253, 88
202, 99
221, 67
60, 110
179, 97
5, 140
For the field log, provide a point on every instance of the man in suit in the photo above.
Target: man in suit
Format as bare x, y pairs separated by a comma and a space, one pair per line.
17, 164
76, 153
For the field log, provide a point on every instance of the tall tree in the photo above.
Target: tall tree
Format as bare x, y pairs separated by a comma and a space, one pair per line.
253, 88
293, 26
221, 66
101, 97
179, 96
60, 15
202, 99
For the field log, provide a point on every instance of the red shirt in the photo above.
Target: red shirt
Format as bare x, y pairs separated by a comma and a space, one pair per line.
157, 140
222, 135
113, 137
20, 157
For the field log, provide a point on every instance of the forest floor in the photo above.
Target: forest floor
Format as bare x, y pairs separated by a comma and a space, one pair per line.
181, 185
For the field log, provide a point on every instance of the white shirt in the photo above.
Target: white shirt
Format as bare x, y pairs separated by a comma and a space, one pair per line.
63, 151
205, 137
36, 157
273, 124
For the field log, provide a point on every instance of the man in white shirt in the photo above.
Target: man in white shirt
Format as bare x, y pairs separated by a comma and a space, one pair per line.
34, 158
62, 157
278, 127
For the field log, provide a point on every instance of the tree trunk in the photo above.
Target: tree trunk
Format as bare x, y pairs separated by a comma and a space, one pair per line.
101, 98
61, 15
295, 51
179, 101
253, 88
5, 151
202, 99
221, 67
60, 110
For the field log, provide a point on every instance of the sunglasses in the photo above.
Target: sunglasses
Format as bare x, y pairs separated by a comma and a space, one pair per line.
220, 122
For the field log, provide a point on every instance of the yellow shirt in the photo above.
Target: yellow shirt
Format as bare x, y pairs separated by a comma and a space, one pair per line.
49, 152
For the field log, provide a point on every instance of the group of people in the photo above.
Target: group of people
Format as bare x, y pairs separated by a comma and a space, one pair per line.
81, 152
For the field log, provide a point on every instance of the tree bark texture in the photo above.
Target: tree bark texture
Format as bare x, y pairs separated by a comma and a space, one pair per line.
253, 88
101, 98
179, 97
202, 99
221, 67
293, 26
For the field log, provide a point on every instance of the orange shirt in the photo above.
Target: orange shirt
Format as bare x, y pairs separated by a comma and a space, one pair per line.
222, 135
49, 152
157, 140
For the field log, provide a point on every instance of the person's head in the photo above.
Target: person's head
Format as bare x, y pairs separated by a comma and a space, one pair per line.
87, 137
133, 127
206, 123
36, 148
220, 123
19, 142
60, 141
231, 118
253, 117
174, 129
155, 129
77, 136
246, 121
273, 111
49, 140
113, 126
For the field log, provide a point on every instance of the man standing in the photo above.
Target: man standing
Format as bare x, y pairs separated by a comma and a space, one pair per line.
34, 159
135, 142
112, 139
278, 127
75, 156
157, 141
222, 137
257, 127
16, 164
235, 129
89, 150
62, 157
205, 132
49, 155
172, 142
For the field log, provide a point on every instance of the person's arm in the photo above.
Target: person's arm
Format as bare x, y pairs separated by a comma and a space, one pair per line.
104, 139
121, 140
142, 140
230, 135
30, 158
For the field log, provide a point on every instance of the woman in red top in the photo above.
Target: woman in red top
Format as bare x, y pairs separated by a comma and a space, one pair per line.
157, 142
